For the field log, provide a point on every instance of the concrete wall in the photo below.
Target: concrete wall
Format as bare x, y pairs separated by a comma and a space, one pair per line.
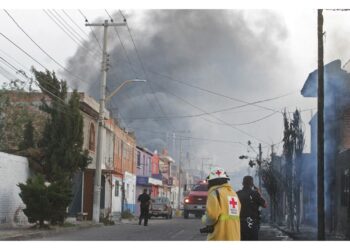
116, 195
130, 191
13, 170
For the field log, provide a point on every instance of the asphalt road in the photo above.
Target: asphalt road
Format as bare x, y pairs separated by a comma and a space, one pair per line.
158, 229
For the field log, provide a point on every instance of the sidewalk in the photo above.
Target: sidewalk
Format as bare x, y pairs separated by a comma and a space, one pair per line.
307, 233
28, 232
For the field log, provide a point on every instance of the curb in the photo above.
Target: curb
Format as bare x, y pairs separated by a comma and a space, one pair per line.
32, 235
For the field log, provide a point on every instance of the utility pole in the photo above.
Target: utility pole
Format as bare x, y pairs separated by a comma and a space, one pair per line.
259, 166
179, 174
104, 68
203, 159
320, 132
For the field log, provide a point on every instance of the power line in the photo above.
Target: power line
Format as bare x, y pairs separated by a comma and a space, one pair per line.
23, 51
190, 137
223, 121
8, 75
47, 54
54, 19
71, 19
215, 111
246, 123
213, 92
144, 71
67, 32
93, 32
14, 59
22, 72
126, 54
68, 26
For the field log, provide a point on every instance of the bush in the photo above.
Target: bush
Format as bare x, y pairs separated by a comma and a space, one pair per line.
59, 196
45, 202
34, 196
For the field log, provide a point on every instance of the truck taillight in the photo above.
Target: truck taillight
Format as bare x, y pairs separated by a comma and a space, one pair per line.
187, 200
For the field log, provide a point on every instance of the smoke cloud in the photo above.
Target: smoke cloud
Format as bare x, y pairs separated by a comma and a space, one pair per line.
233, 52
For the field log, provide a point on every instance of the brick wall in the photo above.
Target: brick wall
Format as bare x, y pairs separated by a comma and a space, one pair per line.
13, 169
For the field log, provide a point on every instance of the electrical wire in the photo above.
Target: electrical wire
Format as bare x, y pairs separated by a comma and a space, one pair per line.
144, 71
47, 54
54, 19
123, 47
69, 27
93, 32
219, 119
72, 20
31, 57
192, 138
14, 59
216, 111
246, 123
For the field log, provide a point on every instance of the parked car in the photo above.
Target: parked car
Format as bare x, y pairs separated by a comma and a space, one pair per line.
161, 206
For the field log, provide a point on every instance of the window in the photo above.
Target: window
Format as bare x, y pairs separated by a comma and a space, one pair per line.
200, 188
116, 191
138, 158
92, 137
127, 190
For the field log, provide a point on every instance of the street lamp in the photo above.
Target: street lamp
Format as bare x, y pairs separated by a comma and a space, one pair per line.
120, 86
97, 181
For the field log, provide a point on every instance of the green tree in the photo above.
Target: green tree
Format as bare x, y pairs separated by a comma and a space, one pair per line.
59, 196
63, 139
28, 136
60, 152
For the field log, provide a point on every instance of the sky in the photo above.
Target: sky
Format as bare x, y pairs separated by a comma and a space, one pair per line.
246, 54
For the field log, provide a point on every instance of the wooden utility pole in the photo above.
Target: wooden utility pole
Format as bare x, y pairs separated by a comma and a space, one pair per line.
320, 132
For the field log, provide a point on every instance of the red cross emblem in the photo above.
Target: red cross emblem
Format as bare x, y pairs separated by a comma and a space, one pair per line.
218, 172
233, 202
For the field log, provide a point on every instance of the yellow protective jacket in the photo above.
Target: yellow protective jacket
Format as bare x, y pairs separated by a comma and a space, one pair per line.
224, 215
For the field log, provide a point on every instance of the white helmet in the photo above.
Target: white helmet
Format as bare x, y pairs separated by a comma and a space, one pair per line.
217, 173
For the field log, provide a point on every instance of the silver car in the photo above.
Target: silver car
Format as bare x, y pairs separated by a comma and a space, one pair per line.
161, 206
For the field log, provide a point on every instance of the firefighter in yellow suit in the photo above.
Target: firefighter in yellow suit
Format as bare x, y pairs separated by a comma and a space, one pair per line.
222, 209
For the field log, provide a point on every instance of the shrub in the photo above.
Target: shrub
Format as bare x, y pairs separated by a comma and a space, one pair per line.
34, 196
45, 202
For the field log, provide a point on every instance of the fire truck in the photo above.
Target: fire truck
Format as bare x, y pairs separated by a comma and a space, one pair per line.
196, 199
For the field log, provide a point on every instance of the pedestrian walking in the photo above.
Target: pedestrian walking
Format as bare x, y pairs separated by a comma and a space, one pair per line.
145, 201
222, 209
251, 200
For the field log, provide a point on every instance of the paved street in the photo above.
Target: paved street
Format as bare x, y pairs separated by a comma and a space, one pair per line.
177, 229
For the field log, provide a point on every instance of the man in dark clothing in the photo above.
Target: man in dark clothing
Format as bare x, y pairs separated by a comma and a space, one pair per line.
144, 200
251, 200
